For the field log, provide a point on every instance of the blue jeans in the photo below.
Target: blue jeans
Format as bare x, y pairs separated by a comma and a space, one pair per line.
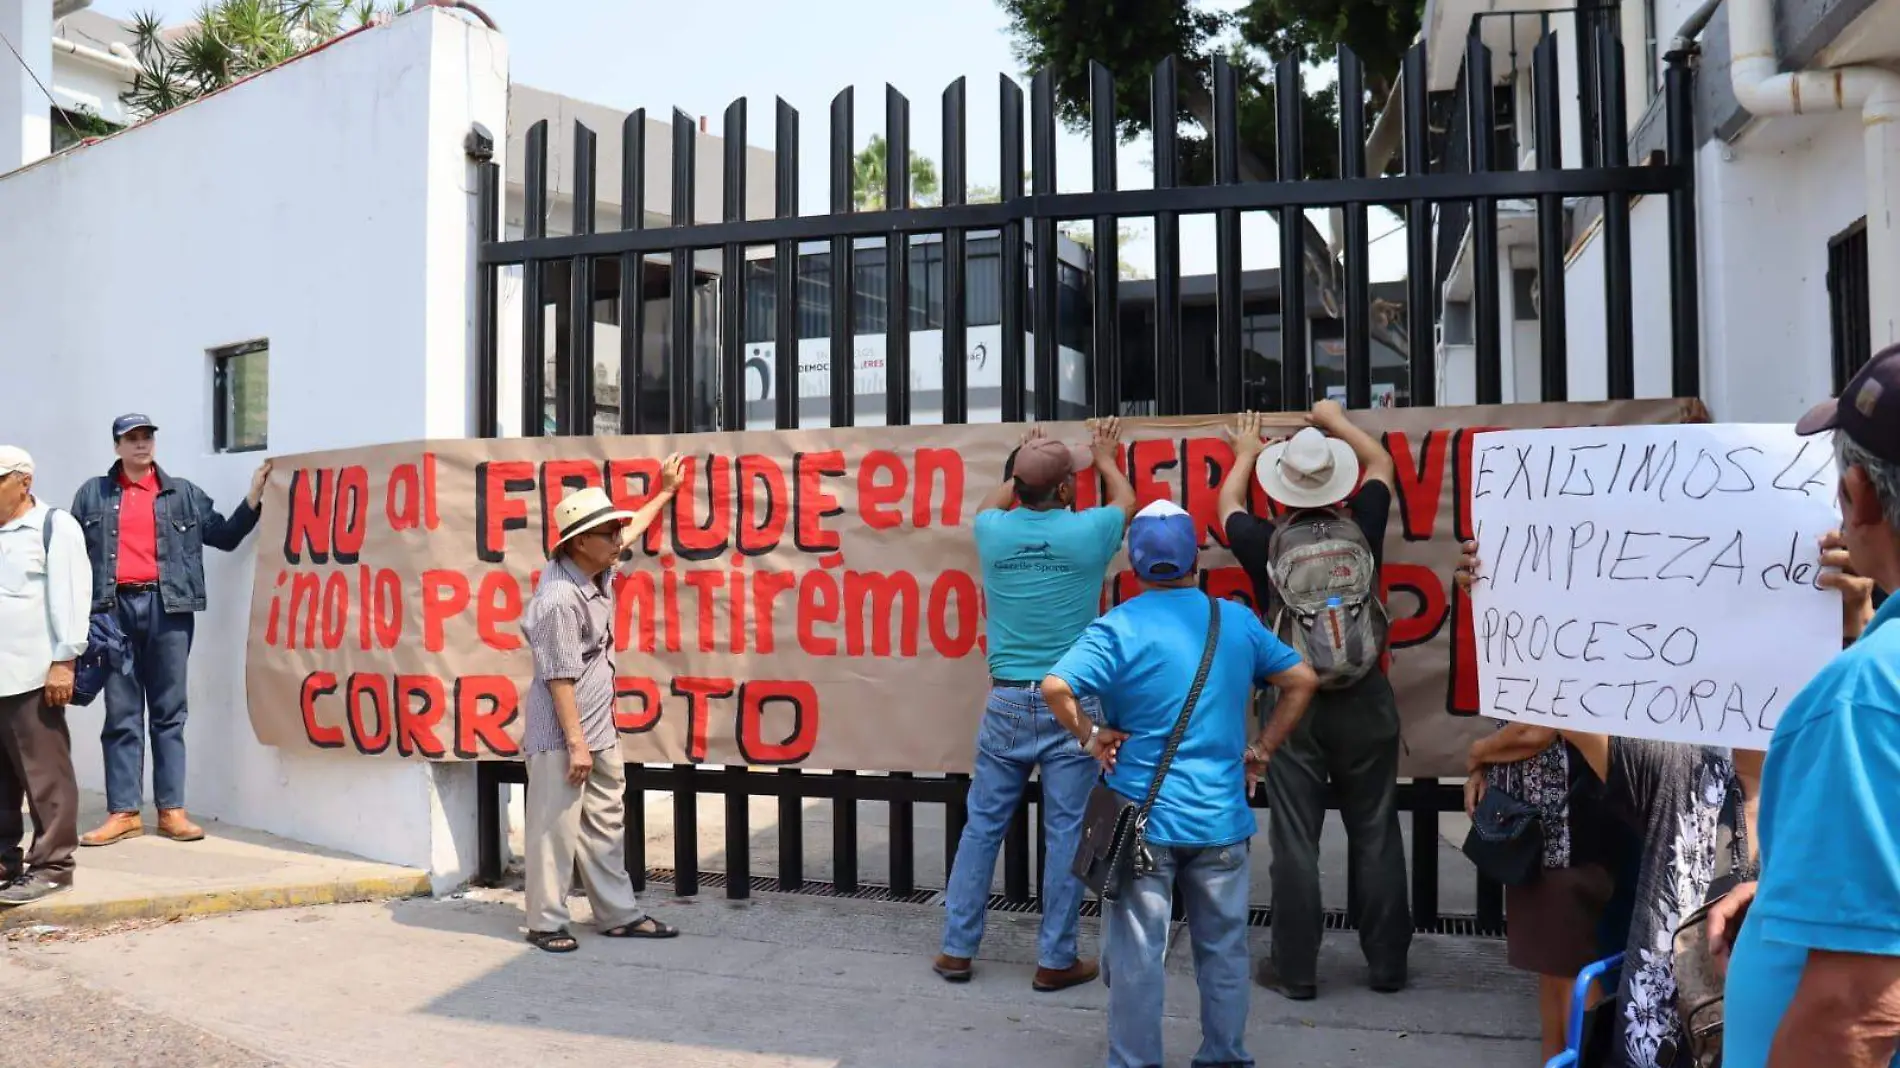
160, 642
1018, 735
1214, 883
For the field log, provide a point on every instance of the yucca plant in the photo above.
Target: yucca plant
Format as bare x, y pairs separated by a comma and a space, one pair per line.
231, 40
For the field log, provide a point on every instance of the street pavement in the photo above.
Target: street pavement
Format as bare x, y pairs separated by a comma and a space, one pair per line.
785, 981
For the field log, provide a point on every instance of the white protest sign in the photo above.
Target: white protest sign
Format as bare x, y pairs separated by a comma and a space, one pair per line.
1652, 582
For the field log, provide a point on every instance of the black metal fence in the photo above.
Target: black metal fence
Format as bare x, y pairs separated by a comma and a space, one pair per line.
1449, 189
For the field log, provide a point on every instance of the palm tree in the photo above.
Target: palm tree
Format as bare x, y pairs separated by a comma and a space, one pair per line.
868, 177
231, 40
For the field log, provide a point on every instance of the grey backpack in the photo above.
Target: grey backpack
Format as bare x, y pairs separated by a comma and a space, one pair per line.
1326, 583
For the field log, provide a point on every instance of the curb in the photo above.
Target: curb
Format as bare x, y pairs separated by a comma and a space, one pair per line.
217, 902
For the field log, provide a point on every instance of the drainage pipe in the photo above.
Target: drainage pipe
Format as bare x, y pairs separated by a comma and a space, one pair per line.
118, 64
1764, 89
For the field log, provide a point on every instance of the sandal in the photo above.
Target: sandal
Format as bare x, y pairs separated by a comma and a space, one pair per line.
557, 941
646, 927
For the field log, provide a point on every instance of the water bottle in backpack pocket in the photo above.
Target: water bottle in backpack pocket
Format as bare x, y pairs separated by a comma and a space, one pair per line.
1326, 592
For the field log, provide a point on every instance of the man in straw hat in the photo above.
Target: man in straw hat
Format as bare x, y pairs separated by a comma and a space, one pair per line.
575, 776
1043, 566
1318, 569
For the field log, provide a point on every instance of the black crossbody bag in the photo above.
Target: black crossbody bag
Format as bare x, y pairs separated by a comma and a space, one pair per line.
1114, 829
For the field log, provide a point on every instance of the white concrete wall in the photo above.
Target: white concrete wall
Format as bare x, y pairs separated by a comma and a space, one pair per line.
1767, 207
326, 206
26, 131
1766, 217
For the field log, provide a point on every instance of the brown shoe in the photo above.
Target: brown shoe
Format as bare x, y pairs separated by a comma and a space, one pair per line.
117, 828
953, 969
175, 825
1052, 979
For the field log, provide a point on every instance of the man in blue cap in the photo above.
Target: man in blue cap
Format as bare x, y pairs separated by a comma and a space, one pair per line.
146, 530
1815, 974
1141, 660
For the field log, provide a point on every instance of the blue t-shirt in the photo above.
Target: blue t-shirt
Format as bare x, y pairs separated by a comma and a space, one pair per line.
1140, 659
1830, 837
1042, 581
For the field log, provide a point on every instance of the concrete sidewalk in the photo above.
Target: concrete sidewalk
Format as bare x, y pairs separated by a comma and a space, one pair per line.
781, 981
232, 869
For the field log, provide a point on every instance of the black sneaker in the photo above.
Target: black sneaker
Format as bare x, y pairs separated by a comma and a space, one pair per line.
29, 888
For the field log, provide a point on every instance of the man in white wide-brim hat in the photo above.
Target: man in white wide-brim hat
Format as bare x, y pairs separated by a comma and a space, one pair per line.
1335, 481
576, 780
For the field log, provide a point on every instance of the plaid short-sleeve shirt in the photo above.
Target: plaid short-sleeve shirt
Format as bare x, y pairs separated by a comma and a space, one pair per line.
569, 627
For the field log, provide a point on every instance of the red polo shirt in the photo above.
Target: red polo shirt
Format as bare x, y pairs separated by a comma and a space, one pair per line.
138, 528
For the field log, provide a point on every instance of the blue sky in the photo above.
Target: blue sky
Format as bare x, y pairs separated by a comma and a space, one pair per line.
700, 56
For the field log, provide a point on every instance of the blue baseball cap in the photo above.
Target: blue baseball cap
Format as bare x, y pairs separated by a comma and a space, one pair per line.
1162, 543
129, 422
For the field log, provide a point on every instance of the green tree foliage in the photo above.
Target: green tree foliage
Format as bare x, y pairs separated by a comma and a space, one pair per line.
869, 179
1132, 37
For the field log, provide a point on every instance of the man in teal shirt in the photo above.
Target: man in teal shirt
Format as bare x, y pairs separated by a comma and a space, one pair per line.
1814, 974
1043, 568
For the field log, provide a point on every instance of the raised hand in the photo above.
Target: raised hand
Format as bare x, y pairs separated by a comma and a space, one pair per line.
1244, 436
1106, 438
1857, 590
672, 473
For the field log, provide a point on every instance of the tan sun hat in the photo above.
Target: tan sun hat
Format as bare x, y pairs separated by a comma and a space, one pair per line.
1308, 470
581, 512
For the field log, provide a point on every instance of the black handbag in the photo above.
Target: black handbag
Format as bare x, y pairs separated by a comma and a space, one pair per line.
1113, 844
1506, 840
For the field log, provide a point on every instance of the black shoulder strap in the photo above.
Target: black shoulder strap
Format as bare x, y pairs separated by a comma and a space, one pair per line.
46, 533
1187, 709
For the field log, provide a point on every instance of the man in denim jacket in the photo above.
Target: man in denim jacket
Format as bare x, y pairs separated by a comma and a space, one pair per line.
146, 530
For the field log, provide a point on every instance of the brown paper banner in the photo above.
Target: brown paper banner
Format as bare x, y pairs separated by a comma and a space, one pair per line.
385, 618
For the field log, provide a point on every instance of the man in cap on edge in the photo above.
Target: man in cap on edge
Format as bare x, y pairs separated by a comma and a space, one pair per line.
1350, 737
1140, 661
1043, 568
1815, 975
146, 531
45, 602
576, 779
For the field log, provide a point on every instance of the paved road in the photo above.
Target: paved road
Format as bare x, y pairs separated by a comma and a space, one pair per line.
48, 1020
785, 982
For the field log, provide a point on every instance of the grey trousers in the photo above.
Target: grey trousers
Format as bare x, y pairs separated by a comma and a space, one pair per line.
1349, 738
588, 823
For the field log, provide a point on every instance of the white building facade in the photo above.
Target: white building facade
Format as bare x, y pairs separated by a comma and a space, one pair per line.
335, 238
1782, 200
